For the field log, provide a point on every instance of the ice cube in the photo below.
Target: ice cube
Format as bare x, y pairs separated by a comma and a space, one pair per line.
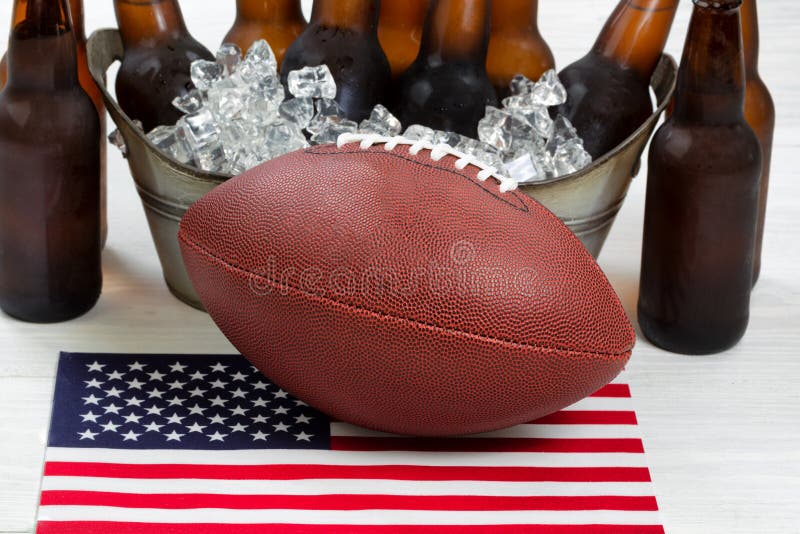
447, 138
332, 128
189, 102
563, 131
199, 128
265, 99
282, 137
326, 107
211, 158
236, 137
521, 85
118, 141
226, 103
483, 152
243, 161
570, 157
549, 91
381, 122
206, 73
316, 82
300, 111
525, 169
261, 58
495, 128
539, 118
167, 140
418, 132
229, 56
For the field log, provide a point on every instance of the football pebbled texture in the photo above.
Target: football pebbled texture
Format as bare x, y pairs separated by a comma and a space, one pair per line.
402, 294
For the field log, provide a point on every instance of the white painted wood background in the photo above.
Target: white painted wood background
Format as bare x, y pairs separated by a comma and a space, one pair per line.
722, 433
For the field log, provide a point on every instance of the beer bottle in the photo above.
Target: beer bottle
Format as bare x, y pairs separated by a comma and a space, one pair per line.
76, 10
85, 78
158, 54
400, 32
702, 197
49, 172
609, 88
343, 34
447, 88
759, 110
280, 22
515, 45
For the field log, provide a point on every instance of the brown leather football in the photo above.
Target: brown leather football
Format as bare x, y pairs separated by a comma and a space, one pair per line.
405, 288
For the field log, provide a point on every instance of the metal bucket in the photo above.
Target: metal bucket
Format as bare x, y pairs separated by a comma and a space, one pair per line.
587, 201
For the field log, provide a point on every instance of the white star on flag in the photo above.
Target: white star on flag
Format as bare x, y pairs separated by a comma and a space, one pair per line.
131, 436
136, 366
177, 367
95, 367
114, 375
216, 436
87, 434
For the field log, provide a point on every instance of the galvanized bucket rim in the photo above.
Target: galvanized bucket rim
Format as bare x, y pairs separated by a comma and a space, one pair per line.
630, 140
111, 102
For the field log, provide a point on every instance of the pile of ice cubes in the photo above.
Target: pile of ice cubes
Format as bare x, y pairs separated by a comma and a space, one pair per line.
523, 140
239, 116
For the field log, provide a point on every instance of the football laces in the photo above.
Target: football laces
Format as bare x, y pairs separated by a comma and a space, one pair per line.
437, 152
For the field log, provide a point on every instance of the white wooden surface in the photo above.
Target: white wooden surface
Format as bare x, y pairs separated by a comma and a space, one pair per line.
722, 433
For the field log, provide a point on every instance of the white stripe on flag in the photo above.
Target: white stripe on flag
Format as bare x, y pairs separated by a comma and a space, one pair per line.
337, 517
302, 457
614, 404
520, 431
345, 486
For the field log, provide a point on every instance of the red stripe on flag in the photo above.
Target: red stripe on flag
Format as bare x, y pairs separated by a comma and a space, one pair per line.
352, 443
79, 527
578, 417
484, 503
349, 472
613, 390
106, 527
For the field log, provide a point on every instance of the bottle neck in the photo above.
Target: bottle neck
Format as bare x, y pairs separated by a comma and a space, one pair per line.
457, 30
355, 15
519, 16
76, 10
144, 22
636, 33
750, 37
403, 14
711, 82
41, 48
271, 12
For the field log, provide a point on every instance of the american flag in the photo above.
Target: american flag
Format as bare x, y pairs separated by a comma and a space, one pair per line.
206, 445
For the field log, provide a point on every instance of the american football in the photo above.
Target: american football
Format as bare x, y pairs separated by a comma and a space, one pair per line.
404, 287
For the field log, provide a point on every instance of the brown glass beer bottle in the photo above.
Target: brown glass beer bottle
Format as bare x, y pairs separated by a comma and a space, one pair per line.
85, 78
759, 110
343, 34
609, 88
49, 172
158, 54
76, 10
702, 197
280, 22
515, 45
447, 88
400, 32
